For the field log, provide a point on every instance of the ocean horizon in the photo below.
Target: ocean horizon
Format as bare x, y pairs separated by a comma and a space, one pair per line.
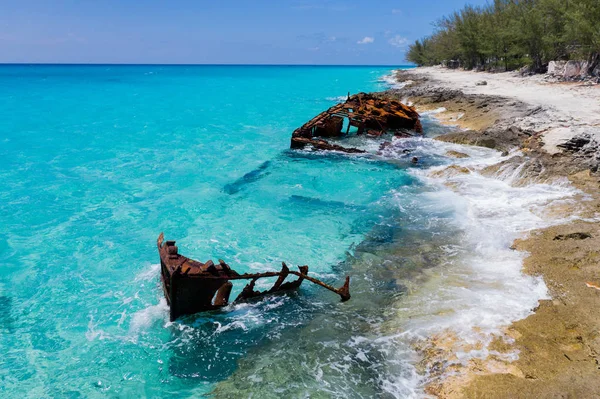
399, 66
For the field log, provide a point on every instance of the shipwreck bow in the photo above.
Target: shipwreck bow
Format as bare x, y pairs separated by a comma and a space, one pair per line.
368, 113
191, 286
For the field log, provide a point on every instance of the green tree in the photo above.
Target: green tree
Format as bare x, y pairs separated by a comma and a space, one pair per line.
583, 29
512, 33
416, 54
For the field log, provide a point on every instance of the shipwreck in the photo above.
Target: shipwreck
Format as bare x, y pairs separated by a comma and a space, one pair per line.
369, 113
191, 286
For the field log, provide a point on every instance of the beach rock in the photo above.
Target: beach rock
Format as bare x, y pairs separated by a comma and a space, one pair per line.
572, 236
469, 137
576, 143
573, 69
456, 154
570, 70
525, 71
556, 68
450, 171
446, 95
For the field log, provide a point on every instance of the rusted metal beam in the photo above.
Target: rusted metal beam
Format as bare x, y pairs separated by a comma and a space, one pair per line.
191, 286
373, 113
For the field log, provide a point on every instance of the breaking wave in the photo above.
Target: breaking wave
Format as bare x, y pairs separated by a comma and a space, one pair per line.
481, 289
437, 272
391, 81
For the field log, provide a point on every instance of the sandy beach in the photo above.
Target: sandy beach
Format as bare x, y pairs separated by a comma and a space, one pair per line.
555, 126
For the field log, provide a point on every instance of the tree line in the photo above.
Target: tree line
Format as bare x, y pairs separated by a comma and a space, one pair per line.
509, 34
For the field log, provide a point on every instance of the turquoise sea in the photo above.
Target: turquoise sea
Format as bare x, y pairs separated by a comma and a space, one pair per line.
98, 160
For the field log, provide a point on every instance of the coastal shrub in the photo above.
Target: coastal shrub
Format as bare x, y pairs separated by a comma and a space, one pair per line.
509, 34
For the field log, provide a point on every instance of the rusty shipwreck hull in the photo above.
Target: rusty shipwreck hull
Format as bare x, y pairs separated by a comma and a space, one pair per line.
368, 113
191, 286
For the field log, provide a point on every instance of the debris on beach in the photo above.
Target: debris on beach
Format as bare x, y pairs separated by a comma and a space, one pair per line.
593, 285
370, 114
191, 286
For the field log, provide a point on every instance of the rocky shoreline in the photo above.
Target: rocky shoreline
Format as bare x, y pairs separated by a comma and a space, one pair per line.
559, 345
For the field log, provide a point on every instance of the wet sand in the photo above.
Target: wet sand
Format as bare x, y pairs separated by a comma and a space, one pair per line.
555, 352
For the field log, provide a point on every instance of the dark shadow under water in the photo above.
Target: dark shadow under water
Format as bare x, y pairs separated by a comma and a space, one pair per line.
6, 318
250, 177
320, 204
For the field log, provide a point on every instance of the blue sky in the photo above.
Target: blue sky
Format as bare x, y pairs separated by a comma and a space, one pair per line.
228, 32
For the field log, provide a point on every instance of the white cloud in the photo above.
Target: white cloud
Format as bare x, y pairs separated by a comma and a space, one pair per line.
398, 41
366, 40
396, 11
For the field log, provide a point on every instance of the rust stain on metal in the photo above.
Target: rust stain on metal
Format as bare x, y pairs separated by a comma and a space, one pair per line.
370, 114
191, 286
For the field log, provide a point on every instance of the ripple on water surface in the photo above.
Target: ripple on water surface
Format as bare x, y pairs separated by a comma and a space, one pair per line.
98, 160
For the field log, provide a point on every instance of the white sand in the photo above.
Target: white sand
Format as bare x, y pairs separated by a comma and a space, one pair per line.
572, 108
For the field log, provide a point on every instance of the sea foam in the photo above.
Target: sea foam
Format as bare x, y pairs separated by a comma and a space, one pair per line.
482, 289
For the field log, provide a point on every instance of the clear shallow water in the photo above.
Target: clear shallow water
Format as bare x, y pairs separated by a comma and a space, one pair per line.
97, 161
